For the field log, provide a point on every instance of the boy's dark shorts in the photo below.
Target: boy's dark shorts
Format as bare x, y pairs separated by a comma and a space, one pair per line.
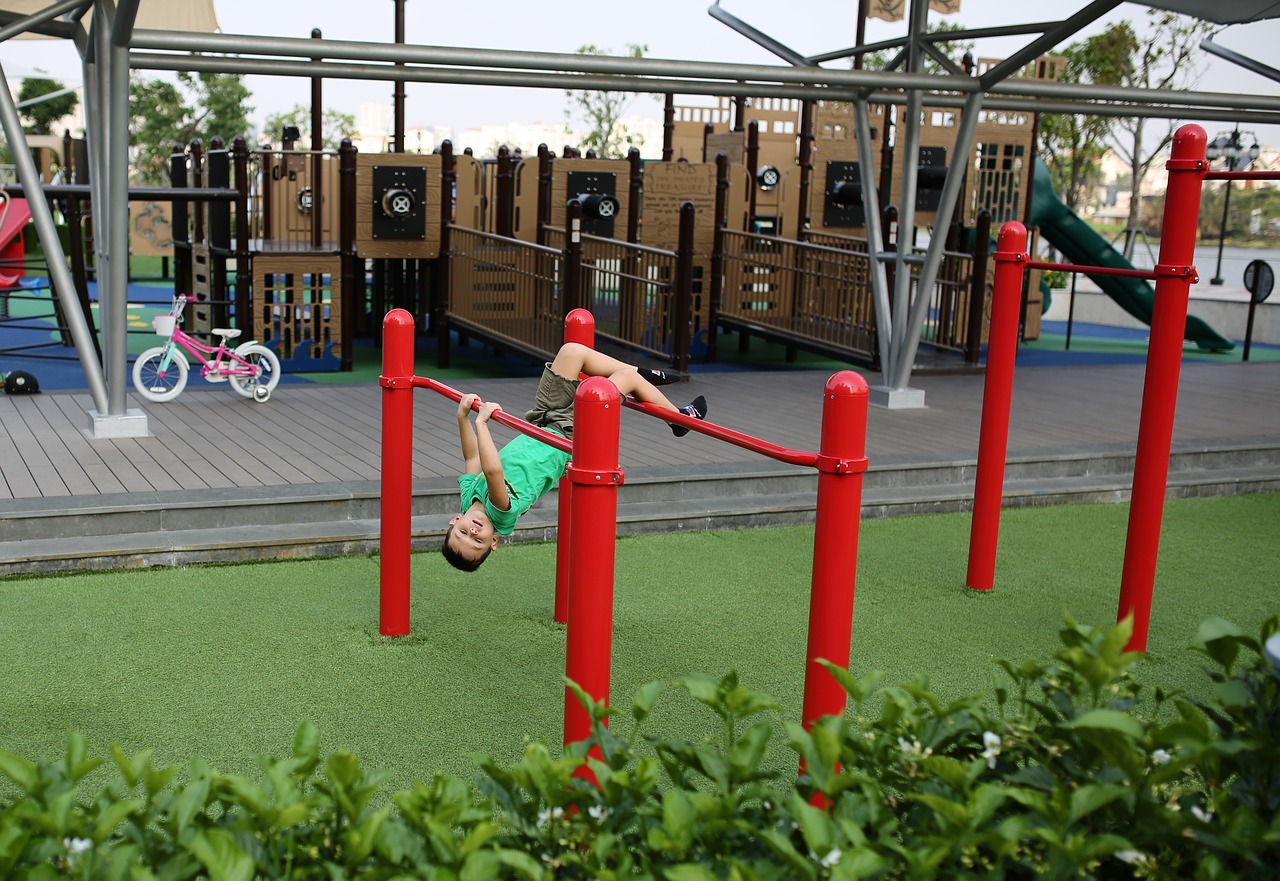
553, 403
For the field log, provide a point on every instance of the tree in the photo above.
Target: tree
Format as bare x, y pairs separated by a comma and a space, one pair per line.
602, 109
1072, 145
164, 113
58, 101
1167, 57
334, 126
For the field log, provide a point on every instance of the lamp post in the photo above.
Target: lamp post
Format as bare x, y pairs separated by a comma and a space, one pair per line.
1227, 146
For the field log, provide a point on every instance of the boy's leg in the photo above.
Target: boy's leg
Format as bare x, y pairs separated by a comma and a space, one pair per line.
575, 358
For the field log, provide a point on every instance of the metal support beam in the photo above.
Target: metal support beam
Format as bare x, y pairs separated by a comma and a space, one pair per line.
871, 211
910, 153
34, 20
1243, 61
63, 284
937, 242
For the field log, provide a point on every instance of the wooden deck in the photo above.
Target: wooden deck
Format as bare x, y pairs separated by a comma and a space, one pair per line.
313, 434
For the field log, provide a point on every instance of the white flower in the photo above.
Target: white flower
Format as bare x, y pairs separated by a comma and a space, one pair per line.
832, 857
546, 815
76, 846
1160, 757
1135, 857
992, 742
1200, 814
598, 812
913, 748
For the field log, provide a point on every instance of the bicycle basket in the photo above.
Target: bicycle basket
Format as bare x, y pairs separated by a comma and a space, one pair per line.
164, 324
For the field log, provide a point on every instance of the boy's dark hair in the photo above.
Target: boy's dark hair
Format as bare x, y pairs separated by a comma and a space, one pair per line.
457, 561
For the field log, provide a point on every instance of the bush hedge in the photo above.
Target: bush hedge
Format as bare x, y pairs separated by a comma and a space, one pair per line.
1066, 771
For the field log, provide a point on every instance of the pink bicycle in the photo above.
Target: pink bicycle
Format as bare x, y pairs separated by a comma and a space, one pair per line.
160, 374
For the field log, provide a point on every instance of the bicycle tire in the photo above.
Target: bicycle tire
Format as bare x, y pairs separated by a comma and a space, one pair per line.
148, 382
269, 370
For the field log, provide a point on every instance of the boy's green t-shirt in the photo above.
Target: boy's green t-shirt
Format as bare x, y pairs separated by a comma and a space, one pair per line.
531, 469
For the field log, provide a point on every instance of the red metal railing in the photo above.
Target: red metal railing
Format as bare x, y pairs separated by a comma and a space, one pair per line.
1173, 275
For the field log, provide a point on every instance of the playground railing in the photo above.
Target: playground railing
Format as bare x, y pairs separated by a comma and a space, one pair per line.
814, 294
632, 290
507, 290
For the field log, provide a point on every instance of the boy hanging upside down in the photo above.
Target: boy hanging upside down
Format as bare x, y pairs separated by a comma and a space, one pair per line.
499, 486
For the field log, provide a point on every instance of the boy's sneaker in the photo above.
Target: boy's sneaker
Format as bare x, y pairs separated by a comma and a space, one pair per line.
697, 409
657, 377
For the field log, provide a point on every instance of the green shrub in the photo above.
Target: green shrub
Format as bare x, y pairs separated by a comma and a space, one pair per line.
1067, 771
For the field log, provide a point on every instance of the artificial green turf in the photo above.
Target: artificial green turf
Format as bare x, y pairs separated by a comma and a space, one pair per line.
1084, 343
222, 662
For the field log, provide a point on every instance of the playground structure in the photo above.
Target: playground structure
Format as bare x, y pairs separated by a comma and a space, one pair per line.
1173, 276
283, 245
314, 260
588, 508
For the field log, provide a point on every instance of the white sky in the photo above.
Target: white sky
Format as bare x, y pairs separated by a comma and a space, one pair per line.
679, 29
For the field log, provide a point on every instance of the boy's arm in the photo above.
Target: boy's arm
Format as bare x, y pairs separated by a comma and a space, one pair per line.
467, 435
490, 463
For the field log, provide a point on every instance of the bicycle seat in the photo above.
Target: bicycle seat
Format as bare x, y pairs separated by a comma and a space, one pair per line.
227, 333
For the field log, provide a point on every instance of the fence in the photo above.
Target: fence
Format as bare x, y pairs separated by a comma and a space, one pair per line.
811, 295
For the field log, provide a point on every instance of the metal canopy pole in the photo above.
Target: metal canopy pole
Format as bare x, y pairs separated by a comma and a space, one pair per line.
910, 152
937, 242
1243, 61
1180, 105
25, 24
910, 341
871, 213
63, 284
114, 214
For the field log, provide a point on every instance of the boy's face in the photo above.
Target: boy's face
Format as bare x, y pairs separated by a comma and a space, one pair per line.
471, 535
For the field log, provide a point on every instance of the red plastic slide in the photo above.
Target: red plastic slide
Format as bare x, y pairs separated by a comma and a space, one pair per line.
12, 246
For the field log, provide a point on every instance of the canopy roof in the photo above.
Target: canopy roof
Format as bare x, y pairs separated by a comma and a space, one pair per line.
166, 15
1222, 11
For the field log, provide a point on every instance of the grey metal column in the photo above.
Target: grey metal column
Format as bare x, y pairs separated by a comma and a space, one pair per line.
871, 211
116, 210
937, 242
63, 284
893, 393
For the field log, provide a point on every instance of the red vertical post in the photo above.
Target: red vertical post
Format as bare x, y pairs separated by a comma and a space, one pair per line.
1175, 273
397, 472
997, 394
595, 473
579, 327
841, 464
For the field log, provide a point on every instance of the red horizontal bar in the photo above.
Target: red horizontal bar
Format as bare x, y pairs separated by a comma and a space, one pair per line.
502, 416
728, 435
1242, 175
1148, 274
764, 448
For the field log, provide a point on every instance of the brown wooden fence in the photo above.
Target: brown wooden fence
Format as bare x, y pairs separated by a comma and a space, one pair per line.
814, 296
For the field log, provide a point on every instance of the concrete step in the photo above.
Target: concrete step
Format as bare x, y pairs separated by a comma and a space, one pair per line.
167, 529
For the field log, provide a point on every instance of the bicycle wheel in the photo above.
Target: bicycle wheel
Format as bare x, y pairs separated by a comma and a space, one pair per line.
268, 366
155, 386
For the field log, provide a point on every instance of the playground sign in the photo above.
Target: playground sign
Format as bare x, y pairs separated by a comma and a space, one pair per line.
1259, 279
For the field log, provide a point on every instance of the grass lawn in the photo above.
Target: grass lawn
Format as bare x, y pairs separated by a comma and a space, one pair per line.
222, 662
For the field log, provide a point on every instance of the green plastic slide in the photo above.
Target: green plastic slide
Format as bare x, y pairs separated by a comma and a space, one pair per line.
1078, 243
